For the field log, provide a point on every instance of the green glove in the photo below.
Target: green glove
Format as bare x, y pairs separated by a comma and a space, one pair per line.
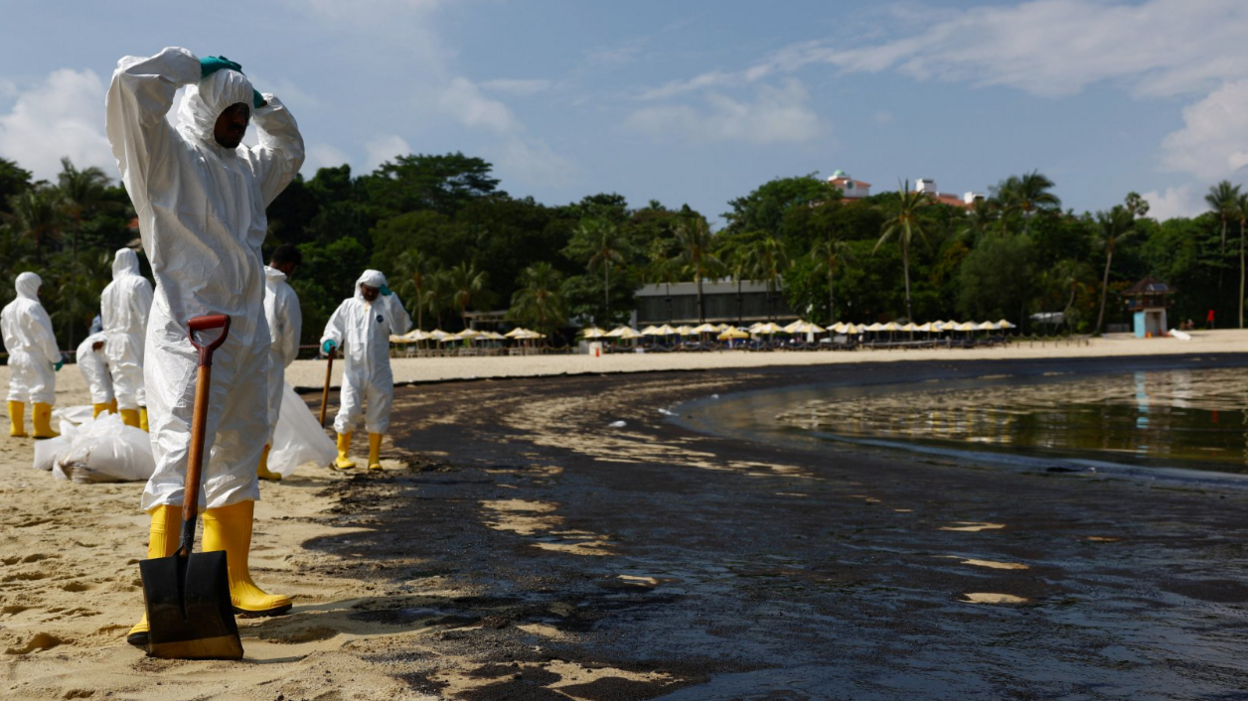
212, 64
328, 346
385, 291
257, 100
56, 367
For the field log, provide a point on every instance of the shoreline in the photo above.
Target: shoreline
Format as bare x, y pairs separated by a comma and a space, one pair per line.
518, 545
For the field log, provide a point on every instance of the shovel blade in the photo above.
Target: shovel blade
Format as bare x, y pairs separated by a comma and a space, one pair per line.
188, 608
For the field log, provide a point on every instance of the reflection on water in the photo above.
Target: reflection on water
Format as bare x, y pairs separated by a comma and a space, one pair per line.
1183, 417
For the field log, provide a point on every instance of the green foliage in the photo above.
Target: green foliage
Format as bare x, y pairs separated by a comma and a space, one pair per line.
539, 303
995, 280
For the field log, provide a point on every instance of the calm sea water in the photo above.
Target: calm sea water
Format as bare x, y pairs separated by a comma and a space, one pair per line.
1189, 418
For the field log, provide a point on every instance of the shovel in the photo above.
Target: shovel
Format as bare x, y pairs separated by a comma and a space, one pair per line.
188, 594
325, 393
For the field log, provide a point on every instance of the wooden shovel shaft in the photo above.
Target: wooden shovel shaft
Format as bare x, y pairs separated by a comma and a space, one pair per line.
195, 458
325, 393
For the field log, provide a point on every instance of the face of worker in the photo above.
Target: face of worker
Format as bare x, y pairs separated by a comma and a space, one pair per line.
232, 125
97, 345
287, 269
369, 293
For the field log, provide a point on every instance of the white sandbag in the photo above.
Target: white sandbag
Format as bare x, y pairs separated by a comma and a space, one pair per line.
107, 450
298, 438
46, 452
77, 415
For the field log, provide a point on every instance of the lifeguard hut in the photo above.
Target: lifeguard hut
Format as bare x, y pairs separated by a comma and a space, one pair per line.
1147, 301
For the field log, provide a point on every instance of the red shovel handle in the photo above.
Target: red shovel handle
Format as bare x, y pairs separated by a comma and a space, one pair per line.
207, 323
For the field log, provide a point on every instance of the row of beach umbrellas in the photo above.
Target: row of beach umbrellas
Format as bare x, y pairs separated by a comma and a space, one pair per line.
726, 332
440, 336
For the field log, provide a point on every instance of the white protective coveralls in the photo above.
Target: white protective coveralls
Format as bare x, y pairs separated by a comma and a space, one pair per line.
202, 219
281, 309
362, 330
28, 337
124, 308
95, 368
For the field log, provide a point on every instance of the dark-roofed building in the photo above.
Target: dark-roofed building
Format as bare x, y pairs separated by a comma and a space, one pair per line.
726, 302
1147, 301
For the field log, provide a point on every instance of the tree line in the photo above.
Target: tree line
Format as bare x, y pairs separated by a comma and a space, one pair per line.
452, 242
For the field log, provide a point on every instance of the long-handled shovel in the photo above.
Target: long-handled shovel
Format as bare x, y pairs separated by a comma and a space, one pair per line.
188, 594
329, 367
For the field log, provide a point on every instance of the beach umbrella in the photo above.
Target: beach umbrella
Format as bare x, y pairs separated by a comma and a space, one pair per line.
593, 332
722, 327
492, 336
989, 326
684, 330
706, 328
910, 326
439, 335
733, 334
625, 332
1006, 325
967, 326
651, 330
667, 329
794, 327
927, 327
517, 332
768, 328
877, 326
804, 327
890, 326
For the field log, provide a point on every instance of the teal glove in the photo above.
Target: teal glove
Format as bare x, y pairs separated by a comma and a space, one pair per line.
329, 346
385, 291
212, 64
257, 100
56, 367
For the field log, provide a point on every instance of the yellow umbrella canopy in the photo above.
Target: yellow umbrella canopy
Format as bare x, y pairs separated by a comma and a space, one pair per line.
927, 327
685, 330
705, 328
651, 330
516, 332
767, 328
625, 332
967, 326
804, 327
667, 330
910, 326
795, 327
989, 326
527, 335
890, 326
593, 332
732, 334
1005, 324
439, 335
877, 326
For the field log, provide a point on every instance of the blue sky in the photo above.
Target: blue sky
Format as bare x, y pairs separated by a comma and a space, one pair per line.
692, 102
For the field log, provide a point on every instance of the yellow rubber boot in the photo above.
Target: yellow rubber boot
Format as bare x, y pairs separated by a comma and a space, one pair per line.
143, 418
344, 444
42, 419
17, 419
263, 471
130, 417
162, 541
112, 407
229, 528
374, 451
98, 409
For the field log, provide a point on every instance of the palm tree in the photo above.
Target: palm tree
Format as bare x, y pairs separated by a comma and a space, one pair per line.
538, 302
598, 242
81, 190
903, 224
415, 269
660, 269
76, 281
766, 259
831, 252
39, 215
1029, 194
1241, 211
975, 225
466, 284
1113, 229
1070, 276
1221, 200
437, 294
696, 240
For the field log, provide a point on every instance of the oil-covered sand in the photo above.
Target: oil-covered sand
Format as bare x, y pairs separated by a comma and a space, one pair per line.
520, 547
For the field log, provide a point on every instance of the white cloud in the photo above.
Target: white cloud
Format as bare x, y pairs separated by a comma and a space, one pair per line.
61, 116
462, 100
1046, 47
777, 114
533, 163
1213, 142
520, 88
1181, 201
326, 156
384, 148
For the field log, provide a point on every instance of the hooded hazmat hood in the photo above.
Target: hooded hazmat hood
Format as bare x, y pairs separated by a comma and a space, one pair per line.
204, 102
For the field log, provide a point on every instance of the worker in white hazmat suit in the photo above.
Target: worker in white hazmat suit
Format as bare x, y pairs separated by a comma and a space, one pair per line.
94, 368
201, 200
281, 310
33, 358
124, 308
362, 326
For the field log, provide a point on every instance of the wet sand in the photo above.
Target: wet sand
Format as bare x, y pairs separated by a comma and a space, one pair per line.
521, 547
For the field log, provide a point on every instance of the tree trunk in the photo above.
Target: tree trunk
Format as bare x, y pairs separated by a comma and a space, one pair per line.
831, 297
701, 302
606, 294
905, 268
1104, 291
